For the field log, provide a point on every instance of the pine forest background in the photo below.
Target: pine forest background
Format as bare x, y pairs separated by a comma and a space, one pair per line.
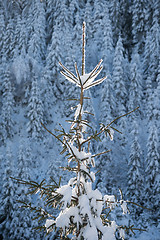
34, 36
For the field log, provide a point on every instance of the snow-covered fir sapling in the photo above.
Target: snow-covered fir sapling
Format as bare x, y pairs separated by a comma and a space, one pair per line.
84, 212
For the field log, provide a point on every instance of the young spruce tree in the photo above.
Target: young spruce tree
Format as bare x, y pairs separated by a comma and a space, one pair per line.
84, 212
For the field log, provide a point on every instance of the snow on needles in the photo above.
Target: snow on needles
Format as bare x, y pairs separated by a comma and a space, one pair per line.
48, 224
66, 191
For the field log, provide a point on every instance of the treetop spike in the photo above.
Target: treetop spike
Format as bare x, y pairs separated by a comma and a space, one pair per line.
83, 48
84, 26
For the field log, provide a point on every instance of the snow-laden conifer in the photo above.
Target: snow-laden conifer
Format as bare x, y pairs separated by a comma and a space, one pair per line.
135, 180
114, 9
63, 18
107, 100
30, 161
2, 28
17, 33
8, 41
108, 50
73, 8
35, 111
152, 179
23, 38
88, 17
48, 98
8, 193
157, 98
149, 96
98, 23
52, 67
118, 76
147, 55
37, 41
135, 92
7, 122
50, 14
154, 49
21, 224
139, 21
152, 168
83, 210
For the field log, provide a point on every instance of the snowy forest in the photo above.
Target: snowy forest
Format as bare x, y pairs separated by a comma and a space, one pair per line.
35, 35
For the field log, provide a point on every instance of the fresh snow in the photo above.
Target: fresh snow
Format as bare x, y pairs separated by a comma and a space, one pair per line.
134, 74
66, 191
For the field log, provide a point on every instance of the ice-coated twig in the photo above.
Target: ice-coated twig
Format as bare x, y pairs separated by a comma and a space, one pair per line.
67, 70
95, 83
97, 73
94, 70
98, 154
69, 78
78, 75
